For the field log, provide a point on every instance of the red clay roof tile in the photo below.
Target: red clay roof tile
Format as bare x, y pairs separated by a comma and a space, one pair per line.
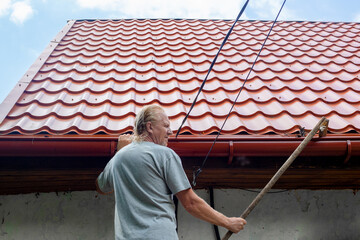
98, 74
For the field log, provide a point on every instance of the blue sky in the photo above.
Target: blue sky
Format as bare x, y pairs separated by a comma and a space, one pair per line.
27, 26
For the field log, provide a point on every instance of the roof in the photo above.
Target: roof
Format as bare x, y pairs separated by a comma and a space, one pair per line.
86, 87
96, 75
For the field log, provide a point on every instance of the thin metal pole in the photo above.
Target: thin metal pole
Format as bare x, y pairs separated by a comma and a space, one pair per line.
199, 170
279, 173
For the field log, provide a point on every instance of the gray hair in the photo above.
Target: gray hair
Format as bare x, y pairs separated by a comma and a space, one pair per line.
147, 114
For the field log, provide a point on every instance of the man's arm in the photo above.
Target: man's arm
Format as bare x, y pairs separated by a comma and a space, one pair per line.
123, 140
99, 190
197, 207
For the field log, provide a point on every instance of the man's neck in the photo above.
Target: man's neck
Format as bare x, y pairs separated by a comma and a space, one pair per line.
147, 138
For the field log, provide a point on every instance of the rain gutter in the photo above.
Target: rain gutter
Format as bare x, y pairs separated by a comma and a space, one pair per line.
186, 146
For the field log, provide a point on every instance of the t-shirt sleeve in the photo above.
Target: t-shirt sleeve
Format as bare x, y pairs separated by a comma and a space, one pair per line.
105, 180
175, 176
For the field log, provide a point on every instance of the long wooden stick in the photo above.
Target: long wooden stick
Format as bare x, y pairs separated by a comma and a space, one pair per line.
279, 173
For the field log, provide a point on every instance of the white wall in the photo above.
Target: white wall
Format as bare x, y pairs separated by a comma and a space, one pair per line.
300, 214
296, 214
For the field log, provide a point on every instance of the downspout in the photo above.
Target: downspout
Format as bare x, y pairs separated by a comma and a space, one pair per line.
212, 204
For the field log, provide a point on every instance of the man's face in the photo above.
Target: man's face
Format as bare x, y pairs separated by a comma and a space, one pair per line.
161, 130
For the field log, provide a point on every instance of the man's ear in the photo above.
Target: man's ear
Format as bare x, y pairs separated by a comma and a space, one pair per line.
149, 127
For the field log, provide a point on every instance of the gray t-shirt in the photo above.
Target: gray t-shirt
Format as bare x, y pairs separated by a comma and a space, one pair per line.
144, 176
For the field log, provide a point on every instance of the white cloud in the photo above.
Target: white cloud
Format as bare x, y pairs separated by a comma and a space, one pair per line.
4, 7
166, 9
21, 11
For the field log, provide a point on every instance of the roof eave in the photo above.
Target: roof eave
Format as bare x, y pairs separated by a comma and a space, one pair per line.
186, 146
28, 164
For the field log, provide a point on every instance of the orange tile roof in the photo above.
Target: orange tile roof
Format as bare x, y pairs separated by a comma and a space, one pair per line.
96, 74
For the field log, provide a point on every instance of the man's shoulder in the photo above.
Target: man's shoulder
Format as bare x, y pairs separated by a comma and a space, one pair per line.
159, 148
162, 148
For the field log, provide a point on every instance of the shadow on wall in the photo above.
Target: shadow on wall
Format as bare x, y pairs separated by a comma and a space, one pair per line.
63, 215
294, 214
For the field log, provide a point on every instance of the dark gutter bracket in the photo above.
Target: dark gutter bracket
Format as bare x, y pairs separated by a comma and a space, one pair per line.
231, 152
348, 154
113, 147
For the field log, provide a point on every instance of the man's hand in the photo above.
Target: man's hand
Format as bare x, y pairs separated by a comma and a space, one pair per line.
197, 207
235, 224
124, 140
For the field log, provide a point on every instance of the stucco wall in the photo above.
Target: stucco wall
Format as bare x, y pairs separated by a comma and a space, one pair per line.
296, 214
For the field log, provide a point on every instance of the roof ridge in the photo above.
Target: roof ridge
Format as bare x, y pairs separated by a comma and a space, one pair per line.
206, 19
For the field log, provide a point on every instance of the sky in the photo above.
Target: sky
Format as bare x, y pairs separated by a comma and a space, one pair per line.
27, 26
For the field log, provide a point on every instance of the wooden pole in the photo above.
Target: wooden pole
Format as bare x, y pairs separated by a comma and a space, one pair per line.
279, 173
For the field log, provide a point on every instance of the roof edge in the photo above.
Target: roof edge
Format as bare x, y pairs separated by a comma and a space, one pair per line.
195, 146
21, 85
207, 19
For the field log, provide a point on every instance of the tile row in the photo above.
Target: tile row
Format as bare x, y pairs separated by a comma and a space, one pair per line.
237, 59
249, 47
190, 74
232, 85
271, 108
170, 97
217, 37
310, 56
257, 124
347, 70
213, 34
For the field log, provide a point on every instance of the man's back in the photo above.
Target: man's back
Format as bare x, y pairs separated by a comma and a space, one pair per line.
144, 176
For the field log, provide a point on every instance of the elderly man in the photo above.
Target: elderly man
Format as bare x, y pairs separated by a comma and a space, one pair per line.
144, 175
